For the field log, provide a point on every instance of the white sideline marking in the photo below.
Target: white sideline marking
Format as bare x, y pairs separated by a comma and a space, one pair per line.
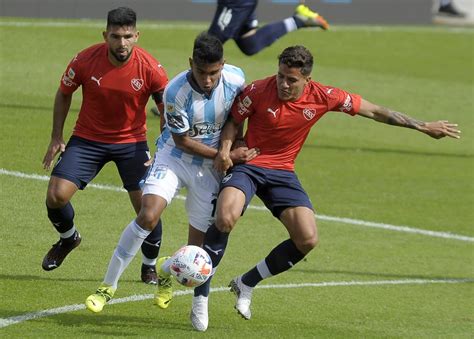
89, 23
4, 322
397, 228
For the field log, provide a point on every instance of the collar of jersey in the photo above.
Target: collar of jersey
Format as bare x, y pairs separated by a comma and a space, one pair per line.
195, 86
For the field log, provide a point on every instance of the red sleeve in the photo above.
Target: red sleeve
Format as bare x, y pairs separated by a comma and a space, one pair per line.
71, 78
340, 100
243, 106
159, 79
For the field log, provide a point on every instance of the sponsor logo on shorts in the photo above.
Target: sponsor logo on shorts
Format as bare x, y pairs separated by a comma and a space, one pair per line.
226, 178
137, 84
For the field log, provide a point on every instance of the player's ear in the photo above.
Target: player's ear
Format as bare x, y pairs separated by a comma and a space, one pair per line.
191, 62
137, 35
104, 35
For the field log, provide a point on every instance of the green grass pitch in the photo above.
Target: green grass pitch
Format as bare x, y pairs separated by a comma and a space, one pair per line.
360, 282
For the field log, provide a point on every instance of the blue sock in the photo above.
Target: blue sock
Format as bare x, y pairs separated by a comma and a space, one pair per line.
62, 218
279, 260
265, 36
214, 244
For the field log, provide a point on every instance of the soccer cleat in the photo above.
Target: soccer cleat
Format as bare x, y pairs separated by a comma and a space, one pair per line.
96, 302
56, 255
149, 275
244, 297
164, 291
199, 315
310, 18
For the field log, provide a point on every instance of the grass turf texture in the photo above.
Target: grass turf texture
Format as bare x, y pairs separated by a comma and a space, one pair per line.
351, 167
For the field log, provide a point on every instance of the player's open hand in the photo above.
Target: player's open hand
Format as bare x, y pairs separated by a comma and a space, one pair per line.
441, 129
55, 146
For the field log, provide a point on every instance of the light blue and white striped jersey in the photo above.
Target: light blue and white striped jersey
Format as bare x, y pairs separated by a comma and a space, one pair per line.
188, 110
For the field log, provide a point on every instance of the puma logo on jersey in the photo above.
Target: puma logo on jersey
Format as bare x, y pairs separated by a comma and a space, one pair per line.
96, 80
274, 112
329, 90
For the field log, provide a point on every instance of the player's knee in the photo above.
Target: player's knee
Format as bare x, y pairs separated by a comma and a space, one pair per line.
147, 219
307, 242
248, 46
55, 199
225, 222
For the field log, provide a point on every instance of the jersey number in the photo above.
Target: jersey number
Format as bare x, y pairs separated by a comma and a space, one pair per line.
224, 18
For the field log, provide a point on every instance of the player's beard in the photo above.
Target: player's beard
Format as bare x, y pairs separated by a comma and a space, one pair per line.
121, 57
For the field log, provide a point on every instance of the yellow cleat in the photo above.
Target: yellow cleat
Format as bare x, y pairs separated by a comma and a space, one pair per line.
310, 18
96, 302
164, 291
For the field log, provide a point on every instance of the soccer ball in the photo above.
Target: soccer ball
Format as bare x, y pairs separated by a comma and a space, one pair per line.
191, 266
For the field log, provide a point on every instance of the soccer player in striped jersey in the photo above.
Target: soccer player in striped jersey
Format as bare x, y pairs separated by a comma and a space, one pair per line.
289, 105
197, 103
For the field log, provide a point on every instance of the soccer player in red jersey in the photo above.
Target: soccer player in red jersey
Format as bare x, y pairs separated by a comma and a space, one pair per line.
281, 111
117, 78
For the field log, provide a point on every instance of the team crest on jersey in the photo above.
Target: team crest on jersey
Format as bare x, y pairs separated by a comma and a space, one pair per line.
309, 113
169, 108
137, 84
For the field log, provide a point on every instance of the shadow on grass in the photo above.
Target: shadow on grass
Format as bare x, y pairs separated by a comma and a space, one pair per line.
355, 274
119, 325
45, 277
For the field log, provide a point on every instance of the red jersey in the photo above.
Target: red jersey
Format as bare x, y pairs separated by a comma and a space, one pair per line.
113, 98
279, 128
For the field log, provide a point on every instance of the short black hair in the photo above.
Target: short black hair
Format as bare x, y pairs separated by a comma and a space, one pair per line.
207, 49
122, 16
297, 57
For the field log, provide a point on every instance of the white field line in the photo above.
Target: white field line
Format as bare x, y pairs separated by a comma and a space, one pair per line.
4, 322
88, 23
396, 228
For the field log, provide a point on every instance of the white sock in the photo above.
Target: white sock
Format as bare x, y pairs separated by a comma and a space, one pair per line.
290, 24
128, 246
166, 266
68, 234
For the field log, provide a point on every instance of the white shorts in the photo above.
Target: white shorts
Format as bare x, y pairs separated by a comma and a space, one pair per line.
169, 174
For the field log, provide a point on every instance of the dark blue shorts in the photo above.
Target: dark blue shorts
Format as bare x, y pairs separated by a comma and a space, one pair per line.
233, 19
83, 159
278, 189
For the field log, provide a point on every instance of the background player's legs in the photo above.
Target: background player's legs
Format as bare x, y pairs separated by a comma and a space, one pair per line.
251, 40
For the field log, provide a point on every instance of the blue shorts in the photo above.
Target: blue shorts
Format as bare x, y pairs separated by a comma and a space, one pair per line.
278, 189
233, 19
83, 159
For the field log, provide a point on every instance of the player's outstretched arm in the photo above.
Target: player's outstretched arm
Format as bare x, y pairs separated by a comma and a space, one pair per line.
62, 102
435, 129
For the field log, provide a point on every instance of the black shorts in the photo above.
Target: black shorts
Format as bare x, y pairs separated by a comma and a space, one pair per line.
83, 159
234, 19
278, 189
